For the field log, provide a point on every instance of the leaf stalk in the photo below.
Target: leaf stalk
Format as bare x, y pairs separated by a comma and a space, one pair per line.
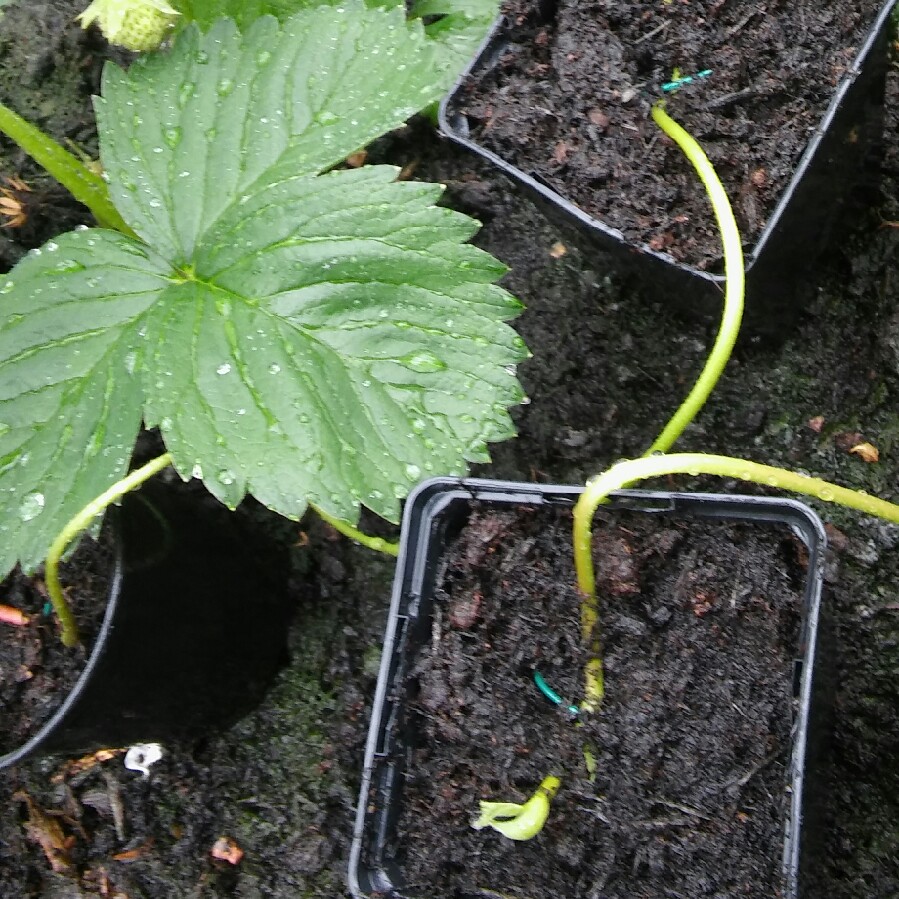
735, 283
80, 522
379, 544
624, 474
85, 186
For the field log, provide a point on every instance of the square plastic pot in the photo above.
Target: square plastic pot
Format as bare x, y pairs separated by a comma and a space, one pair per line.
842, 154
434, 515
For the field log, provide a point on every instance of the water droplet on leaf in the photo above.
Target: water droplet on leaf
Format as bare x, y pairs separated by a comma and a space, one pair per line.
32, 506
422, 361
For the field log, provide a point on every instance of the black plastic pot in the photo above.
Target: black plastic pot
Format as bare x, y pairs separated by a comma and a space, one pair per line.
194, 630
842, 155
434, 514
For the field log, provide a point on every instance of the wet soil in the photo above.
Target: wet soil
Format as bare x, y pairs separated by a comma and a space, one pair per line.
568, 102
609, 365
686, 793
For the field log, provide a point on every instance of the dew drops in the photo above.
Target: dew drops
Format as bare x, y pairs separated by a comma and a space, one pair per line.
32, 506
826, 494
274, 368
418, 425
422, 361
224, 87
130, 359
773, 481
226, 477
223, 369
413, 472
263, 57
172, 136
154, 203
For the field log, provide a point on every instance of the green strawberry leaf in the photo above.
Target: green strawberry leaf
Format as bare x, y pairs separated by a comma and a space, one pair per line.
299, 334
327, 346
457, 29
186, 135
70, 398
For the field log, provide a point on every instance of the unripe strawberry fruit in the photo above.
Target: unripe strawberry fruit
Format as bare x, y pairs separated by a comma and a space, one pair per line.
134, 24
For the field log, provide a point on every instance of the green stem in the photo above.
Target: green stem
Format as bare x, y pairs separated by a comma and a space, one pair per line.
75, 526
86, 186
734, 285
376, 543
631, 471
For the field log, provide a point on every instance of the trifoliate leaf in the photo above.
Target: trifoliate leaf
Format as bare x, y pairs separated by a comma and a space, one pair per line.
304, 337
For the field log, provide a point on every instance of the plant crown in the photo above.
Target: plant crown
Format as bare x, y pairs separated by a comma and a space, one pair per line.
298, 332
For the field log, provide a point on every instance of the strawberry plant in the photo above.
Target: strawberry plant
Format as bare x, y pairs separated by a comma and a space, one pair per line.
296, 331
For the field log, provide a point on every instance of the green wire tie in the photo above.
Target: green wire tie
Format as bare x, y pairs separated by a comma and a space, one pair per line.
551, 694
669, 86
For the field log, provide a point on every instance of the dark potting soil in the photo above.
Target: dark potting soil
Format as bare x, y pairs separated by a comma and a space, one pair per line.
569, 102
36, 670
689, 797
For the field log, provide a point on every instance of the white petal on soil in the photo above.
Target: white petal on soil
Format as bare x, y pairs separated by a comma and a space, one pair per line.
141, 756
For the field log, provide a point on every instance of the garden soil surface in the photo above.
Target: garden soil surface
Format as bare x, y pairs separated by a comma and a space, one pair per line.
609, 366
686, 793
568, 102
